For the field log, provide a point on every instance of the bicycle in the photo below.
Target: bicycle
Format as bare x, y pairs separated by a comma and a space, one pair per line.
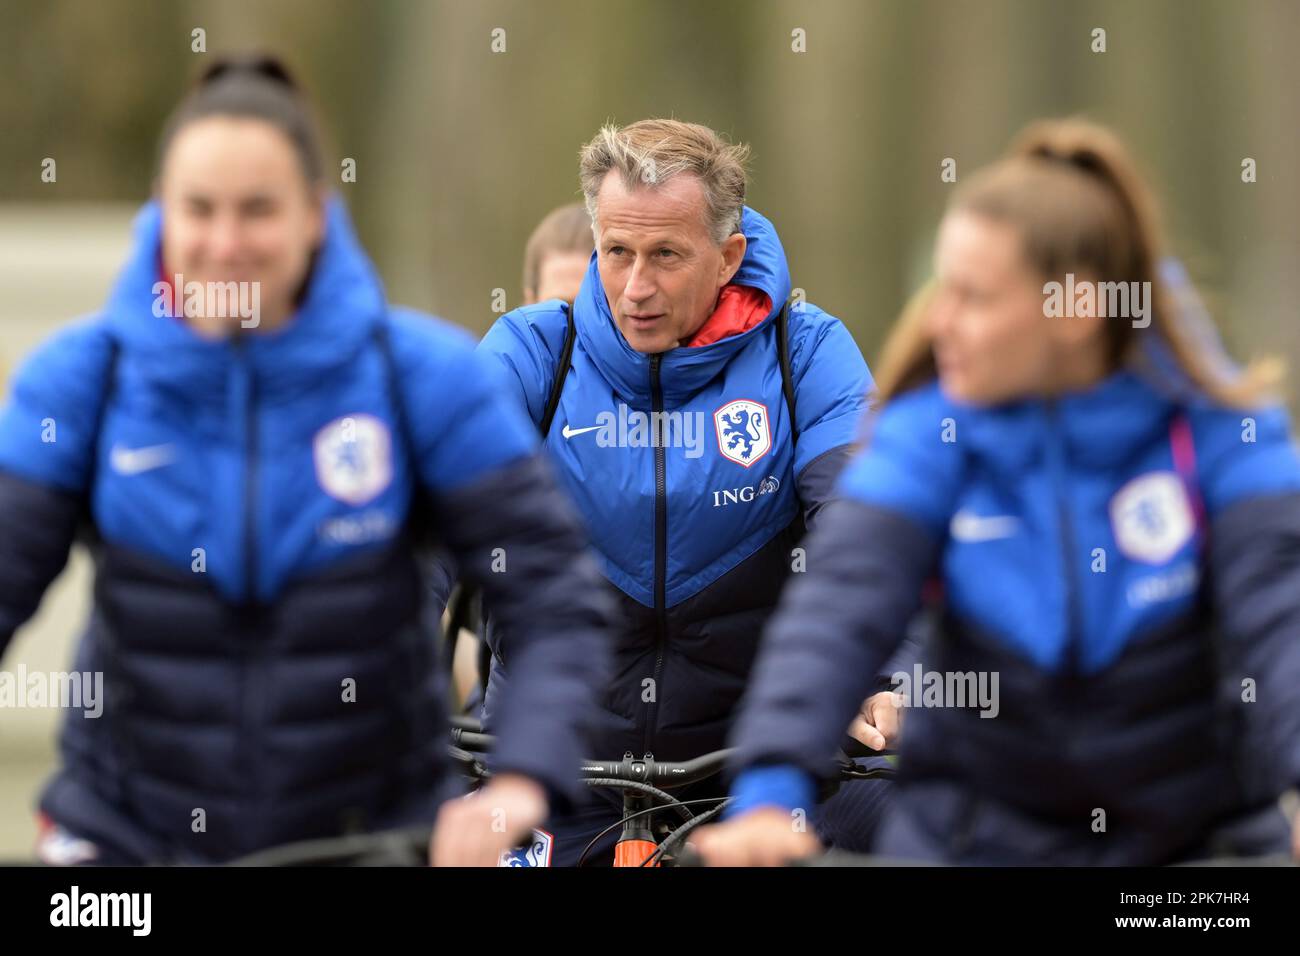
644, 783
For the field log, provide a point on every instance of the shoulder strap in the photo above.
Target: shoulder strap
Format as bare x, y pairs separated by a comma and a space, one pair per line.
1183, 447
561, 372
783, 356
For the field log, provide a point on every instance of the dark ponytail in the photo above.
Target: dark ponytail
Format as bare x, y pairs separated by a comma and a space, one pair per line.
255, 86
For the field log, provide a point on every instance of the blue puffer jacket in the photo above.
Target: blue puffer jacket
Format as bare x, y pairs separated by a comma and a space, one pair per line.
258, 610
1127, 567
699, 536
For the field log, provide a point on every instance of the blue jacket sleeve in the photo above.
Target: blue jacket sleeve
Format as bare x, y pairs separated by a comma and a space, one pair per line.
1250, 479
1255, 564
523, 347
48, 424
841, 620
47, 442
909, 466
831, 383
511, 531
461, 425
816, 483
37, 525
515, 536
527, 343
837, 625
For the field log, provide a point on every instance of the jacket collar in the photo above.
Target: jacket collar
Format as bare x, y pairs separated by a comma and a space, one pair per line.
1100, 427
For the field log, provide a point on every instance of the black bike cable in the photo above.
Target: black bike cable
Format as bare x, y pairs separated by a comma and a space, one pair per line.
678, 835
633, 816
667, 798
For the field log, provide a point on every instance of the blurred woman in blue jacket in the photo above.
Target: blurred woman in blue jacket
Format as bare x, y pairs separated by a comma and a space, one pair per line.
1118, 550
260, 443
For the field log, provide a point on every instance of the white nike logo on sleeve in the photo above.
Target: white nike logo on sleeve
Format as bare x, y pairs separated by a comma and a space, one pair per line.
568, 432
133, 461
966, 526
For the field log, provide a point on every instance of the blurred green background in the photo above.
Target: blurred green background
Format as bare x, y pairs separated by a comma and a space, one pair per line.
460, 150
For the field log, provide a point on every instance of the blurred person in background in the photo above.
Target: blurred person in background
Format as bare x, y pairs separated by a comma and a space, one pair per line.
683, 314
557, 255
258, 483
1121, 550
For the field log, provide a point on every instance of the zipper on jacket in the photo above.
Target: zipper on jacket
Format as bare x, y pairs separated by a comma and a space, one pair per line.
661, 546
1059, 468
253, 649
250, 471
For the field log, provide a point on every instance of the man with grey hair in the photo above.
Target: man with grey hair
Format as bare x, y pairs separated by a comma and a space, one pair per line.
698, 420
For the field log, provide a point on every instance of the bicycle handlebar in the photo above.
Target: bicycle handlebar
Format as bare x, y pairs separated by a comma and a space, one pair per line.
409, 847
660, 773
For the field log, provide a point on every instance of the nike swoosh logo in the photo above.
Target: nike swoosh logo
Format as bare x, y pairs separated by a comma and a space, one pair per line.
568, 432
966, 526
133, 461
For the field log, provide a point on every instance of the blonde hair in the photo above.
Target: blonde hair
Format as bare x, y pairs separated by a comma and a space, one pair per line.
651, 152
566, 229
1074, 193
